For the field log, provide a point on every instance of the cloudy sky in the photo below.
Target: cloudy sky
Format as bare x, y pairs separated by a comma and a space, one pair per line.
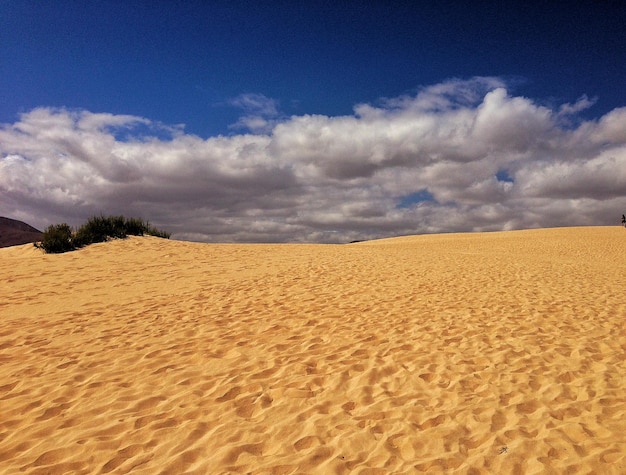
287, 121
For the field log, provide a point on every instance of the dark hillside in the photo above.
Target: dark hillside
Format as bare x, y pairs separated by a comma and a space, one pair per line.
14, 233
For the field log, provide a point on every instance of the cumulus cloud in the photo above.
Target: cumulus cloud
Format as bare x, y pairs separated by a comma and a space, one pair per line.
457, 156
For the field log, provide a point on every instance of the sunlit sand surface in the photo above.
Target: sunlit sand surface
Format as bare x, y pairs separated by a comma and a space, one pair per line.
494, 353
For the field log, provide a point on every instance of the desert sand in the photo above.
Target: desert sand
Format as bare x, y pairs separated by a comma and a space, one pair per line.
486, 353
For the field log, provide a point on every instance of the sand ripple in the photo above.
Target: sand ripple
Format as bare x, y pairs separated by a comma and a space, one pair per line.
471, 354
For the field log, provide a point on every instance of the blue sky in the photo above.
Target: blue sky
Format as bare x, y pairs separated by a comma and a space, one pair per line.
313, 121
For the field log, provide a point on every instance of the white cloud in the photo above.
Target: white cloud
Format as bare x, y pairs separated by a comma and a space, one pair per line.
320, 178
580, 105
260, 113
256, 103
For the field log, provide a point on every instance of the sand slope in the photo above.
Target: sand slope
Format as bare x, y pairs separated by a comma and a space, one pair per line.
465, 353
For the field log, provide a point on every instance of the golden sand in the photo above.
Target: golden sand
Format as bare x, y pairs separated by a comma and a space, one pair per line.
492, 353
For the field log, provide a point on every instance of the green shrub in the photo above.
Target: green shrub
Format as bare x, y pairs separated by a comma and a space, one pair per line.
152, 231
135, 227
60, 238
100, 229
57, 238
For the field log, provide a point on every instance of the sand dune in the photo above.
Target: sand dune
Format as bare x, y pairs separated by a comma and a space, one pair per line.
486, 353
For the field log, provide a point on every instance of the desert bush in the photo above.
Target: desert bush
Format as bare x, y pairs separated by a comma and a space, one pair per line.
135, 227
152, 231
60, 238
57, 238
100, 229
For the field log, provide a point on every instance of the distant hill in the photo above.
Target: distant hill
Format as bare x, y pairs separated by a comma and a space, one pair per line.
14, 233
